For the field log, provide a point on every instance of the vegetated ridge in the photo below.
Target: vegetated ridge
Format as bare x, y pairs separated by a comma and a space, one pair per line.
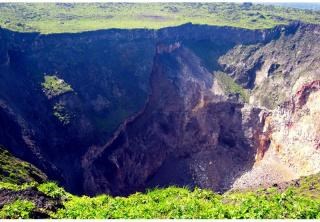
68, 17
121, 111
36, 198
170, 105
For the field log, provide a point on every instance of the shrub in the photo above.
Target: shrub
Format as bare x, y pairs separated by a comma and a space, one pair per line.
18, 209
84, 208
51, 189
173, 202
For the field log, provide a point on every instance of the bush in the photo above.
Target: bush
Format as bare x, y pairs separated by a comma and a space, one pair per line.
51, 189
18, 209
180, 203
85, 208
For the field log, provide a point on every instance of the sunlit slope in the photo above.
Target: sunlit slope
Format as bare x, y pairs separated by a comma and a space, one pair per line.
59, 18
22, 195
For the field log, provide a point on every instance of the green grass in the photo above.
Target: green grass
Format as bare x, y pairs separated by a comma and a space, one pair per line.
231, 87
174, 202
17, 172
53, 86
309, 186
16, 187
298, 199
180, 203
58, 18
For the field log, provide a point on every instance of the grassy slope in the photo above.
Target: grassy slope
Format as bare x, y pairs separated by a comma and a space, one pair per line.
298, 199
176, 202
57, 18
53, 86
295, 201
231, 87
15, 171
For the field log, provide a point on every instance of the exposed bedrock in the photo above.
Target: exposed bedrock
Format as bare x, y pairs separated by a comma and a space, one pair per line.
186, 134
290, 140
276, 70
149, 108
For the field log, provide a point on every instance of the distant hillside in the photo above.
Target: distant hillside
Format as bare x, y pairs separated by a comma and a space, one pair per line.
299, 5
62, 17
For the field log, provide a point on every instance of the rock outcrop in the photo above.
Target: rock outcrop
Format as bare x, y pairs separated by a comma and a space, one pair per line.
292, 135
276, 70
146, 108
186, 134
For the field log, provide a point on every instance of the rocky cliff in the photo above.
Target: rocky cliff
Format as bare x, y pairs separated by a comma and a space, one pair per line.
186, 135
276, 70
289, 142
131, 109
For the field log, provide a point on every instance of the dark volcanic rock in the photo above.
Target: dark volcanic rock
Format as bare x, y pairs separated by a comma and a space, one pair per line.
186, 135
182, 133
44, 204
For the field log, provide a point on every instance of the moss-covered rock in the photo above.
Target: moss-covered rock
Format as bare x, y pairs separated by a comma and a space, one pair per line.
230, 87
53, 86
16, 171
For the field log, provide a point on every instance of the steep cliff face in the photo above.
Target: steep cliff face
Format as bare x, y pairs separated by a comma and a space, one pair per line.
276, 70
109, 78
131, 109
108, 72
284, 79
186, 135
295, 130
292, 135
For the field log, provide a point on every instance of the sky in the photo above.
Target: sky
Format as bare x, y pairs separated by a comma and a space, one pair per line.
239, 1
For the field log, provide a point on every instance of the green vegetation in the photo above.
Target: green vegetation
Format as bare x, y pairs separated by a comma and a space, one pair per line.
61, 113
17, 172
309, 186
51, 189
59, 17
271, 203
19, 209
298, 199
16, 187
53, 86
176, 202
231, 87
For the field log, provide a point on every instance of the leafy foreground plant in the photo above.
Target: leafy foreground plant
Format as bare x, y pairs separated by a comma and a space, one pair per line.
51, 189
18, 209
42, 199
174, 202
